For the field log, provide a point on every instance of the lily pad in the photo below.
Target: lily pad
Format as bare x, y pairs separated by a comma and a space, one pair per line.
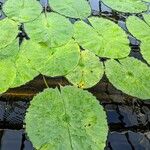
141, 30
67, 119
63, 60
10, 50
7, 74
103, 37
71, 8
88, 72
131, 76
51, 28
8, 31
25, 71
131, 6
22, 10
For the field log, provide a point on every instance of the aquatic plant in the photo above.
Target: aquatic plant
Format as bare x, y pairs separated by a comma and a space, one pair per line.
65, 40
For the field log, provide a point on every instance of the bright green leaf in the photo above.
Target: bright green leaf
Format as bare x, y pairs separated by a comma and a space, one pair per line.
8, 31
104, 38
141, 30
67, 119
131, 76
71, 8
10, 50
61, 61
88, 72
22, 10
131, 6
51, 28
7, 74
25, 70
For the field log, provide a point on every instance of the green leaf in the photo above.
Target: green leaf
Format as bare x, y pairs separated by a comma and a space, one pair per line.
7, 74
8, 31
141, 30
67, 119
88, 72
131, 6
25, 71
71, 8
61, 61
22, 10
10, 50
131, 76
104, 38
51, 28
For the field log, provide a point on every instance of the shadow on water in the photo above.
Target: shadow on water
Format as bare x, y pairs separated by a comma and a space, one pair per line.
128, 117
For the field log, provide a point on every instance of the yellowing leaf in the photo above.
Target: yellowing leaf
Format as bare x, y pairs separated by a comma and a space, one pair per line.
88, 72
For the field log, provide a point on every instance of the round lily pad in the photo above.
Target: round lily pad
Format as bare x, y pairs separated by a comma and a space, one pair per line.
103, 37
51, 28
22, 10
131, 6
131, 76
71, 8
88, 72
141, 30
67, 119
7, 74
8, 31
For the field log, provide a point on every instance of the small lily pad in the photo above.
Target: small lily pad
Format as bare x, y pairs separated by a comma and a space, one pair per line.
141, 30
103, 37
8, 31
88, 72
131, 6
71, 8
131, 76
51, 28
22, 10
7, 74
68, 119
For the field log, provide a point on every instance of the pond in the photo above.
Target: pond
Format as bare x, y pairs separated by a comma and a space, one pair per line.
128, 117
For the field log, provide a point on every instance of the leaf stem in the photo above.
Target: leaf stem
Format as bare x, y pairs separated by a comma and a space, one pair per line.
44, 79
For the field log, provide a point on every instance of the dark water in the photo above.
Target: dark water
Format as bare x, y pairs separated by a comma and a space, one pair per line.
128, 117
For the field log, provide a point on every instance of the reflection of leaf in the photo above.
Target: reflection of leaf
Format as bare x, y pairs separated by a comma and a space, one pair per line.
70, 119
130, 76
8, 32
141, 31
22, 10
7, 74
131, 6
71, 8
88, 72
50, 28
104, 38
